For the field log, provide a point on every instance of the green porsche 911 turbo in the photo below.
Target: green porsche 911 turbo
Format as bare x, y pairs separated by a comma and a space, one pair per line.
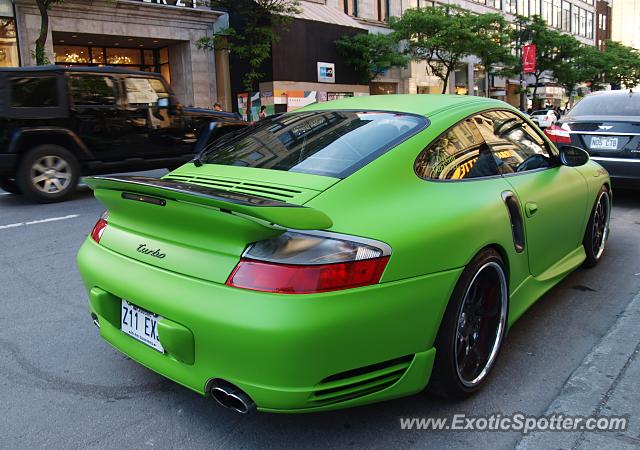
345, 253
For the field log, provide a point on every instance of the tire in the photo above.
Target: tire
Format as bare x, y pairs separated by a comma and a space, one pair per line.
48, 173
472, 329
9, 185
597, 232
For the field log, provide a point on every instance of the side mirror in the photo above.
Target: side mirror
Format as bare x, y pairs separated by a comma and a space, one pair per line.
573, 156
163, 102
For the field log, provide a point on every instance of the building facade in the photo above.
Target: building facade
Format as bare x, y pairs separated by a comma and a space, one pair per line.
9, 55
625, 26
603, 23
150, 35
576, 17
304, 66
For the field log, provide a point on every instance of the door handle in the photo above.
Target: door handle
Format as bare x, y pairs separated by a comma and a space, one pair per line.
530, 208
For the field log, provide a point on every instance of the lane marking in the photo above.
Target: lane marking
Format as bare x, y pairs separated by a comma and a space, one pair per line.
34, 222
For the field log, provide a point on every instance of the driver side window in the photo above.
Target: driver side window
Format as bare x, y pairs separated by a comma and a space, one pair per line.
516, 146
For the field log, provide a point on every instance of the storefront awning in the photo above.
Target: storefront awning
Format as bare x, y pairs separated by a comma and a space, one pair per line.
318, 12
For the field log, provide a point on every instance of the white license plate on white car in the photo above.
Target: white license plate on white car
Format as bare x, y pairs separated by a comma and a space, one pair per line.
140, 324
604, 143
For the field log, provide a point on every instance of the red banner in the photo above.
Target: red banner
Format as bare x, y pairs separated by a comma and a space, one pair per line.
529, 58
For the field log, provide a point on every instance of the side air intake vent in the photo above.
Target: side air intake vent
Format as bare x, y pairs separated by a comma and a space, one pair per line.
359, 382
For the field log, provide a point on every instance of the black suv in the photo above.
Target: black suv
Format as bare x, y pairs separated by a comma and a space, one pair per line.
57, 124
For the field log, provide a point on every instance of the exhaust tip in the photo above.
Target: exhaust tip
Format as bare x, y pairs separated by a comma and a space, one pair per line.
232, 397
95, 320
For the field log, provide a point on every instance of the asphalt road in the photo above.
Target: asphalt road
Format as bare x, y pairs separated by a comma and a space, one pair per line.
61, 386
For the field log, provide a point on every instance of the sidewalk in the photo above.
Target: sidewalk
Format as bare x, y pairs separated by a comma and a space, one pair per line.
605, 384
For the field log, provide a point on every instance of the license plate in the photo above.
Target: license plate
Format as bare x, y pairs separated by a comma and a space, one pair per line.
605, 143
140, 324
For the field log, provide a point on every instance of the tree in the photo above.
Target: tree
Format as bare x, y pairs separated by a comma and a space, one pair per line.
552, 47
370, 54
441, 36
43, 7
583, 66
492, 44
620, 65
259, 22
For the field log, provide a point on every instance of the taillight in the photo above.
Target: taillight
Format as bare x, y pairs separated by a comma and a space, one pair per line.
557, 134
98, 228
295, 263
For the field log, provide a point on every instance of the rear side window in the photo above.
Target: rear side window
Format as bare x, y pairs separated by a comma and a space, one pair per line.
608, 105
330, 143
487, 144
92, 90
459, 153
34, 92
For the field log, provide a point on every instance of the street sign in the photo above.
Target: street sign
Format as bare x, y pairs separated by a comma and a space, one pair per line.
529, 58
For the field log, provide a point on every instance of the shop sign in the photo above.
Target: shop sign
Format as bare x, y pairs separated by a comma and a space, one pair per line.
182, 3
326, 72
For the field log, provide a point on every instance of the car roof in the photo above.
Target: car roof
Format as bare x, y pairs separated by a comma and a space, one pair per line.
55, 69
420, 104
613, 93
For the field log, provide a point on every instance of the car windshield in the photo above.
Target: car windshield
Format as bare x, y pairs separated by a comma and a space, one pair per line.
608, 105
330, 143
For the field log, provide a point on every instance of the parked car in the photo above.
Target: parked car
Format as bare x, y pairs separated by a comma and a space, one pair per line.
607, 125
544, 117
57, 124
345, 253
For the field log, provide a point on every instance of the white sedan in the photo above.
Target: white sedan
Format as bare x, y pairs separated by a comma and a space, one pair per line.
544, 117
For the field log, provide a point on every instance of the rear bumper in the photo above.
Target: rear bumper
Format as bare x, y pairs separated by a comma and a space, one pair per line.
621, 170
8, 164
277, 348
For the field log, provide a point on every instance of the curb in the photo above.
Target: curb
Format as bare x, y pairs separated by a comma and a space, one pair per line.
588, 389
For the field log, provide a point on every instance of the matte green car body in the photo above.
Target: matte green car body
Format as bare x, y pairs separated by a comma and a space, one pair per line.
279, 348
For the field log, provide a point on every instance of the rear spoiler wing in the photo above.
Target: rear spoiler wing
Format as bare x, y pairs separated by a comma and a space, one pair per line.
260, 209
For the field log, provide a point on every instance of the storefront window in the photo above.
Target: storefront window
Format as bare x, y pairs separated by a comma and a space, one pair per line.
72, 54
8, 36
461, 80
148, 60
479, 80
123, 56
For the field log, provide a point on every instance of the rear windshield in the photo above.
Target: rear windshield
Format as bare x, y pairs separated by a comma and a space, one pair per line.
330, 143
608, 105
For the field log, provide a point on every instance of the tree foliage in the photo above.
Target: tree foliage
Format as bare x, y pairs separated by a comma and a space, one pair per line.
583, 66
443, 35
370, 54
552, 47
492, 43
260, 21
619, 65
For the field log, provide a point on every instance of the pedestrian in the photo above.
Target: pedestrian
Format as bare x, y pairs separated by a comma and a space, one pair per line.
263, 113
217, 107
556, 111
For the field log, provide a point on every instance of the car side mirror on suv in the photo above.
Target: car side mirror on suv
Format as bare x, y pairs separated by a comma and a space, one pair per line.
573, 156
